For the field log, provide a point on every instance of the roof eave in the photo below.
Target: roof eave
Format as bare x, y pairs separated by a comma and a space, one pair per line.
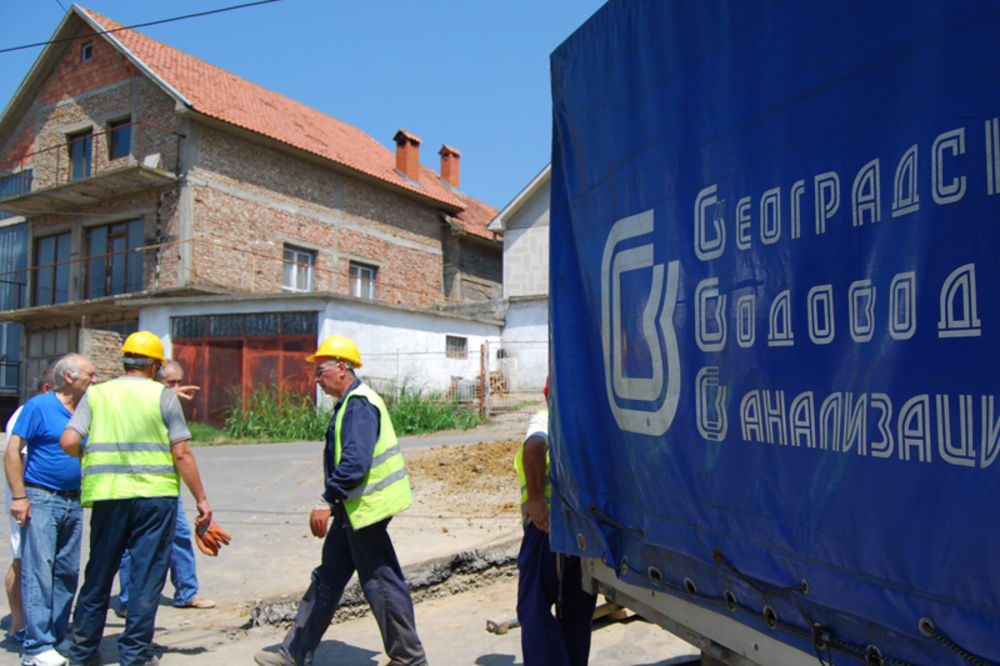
499, 223
457, 229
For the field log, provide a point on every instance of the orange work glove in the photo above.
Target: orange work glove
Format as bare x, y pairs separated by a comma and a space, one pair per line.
318, 520
210, 539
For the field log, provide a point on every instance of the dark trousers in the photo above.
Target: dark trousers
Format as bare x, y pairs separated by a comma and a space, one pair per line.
368, 551
545, 639
145, 526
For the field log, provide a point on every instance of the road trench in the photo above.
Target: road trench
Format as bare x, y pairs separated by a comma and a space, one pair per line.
474, 482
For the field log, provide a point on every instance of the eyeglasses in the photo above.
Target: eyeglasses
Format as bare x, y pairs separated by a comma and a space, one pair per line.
320, 371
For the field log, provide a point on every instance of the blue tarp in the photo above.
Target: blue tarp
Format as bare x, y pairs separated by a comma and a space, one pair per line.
774, 298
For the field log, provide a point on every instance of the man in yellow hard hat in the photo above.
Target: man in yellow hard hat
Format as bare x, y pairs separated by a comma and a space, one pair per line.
136, 452
366, 484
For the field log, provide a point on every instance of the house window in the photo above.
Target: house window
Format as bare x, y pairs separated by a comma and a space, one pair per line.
297, 272
80, 147
114, 264
456, 346
52, 269
363, 280
86, 51
119, 138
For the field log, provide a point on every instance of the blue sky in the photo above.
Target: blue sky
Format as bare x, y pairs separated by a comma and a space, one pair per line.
473, 74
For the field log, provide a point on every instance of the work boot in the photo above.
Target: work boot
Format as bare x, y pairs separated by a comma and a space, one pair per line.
279, 658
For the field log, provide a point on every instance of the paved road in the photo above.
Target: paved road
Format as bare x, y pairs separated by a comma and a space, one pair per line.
262, 494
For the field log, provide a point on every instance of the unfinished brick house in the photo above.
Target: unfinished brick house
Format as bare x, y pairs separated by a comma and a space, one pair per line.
134, 174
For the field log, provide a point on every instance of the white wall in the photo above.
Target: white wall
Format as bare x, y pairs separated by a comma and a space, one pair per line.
526, 247
406, 346
525, 359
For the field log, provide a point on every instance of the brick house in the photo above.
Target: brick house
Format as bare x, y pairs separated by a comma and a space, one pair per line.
136, 178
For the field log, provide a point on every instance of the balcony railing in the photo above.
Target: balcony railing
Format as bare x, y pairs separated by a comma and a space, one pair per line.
210, 264
91, 154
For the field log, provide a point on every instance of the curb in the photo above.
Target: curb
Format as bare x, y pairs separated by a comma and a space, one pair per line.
437, 577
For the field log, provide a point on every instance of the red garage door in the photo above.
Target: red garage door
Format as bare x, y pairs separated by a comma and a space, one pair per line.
231, 356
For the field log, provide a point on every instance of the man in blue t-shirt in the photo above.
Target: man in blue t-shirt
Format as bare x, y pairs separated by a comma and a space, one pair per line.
46, 503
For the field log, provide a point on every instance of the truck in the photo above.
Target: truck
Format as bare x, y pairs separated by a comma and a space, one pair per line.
774, 270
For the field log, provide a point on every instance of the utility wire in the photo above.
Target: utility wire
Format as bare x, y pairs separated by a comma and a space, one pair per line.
139, 25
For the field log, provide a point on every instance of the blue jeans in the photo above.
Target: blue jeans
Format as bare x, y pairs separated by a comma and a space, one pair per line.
368, 551
50, 565
547, 640
182, 566
145, 526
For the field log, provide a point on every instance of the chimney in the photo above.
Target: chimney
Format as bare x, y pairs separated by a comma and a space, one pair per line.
408, 154
449, 164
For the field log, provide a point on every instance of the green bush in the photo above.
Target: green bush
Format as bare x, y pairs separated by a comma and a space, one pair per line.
275, 415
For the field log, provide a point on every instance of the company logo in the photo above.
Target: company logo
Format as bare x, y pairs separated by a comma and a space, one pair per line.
640, 404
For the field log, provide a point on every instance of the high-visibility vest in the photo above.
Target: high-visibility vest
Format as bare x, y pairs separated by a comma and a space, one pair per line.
385, 490
519, 465
128, 449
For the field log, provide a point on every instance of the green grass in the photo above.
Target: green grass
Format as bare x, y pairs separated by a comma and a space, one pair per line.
413, 412
203, 434
273, 415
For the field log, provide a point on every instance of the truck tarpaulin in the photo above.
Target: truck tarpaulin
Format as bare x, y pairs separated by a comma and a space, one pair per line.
775, 259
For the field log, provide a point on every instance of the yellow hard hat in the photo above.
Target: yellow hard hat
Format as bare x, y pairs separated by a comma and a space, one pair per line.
337, 346
144, 343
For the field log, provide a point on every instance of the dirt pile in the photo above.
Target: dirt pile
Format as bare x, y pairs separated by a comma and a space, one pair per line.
471, 481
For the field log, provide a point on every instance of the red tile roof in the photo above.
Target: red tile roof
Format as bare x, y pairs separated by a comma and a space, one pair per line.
220, 94
475, 217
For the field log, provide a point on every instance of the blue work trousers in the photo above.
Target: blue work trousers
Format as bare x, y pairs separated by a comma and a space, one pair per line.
368, 551
183, 572
547, 640
50, 565
145, 526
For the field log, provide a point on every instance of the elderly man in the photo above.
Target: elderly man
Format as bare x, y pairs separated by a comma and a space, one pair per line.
366, 484
46, 502
183, 572
137, 449
15, 635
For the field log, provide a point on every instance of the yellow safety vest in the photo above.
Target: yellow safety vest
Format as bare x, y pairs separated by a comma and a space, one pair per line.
385, 490
128, 449
519, 466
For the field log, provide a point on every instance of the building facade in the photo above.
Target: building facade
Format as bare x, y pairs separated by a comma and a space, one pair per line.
130, 170
524, 224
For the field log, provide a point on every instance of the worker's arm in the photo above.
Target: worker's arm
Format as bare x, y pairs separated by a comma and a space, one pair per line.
535, 508
188, 469
72, 443
77, 428
180, 450
20, 509
359, 432
185, 392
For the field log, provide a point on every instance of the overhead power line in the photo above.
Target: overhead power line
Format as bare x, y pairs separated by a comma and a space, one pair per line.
141, 25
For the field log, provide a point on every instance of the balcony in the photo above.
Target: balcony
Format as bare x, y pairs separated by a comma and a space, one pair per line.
92, 167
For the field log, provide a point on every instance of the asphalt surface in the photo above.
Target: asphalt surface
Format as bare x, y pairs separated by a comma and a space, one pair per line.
262, 494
